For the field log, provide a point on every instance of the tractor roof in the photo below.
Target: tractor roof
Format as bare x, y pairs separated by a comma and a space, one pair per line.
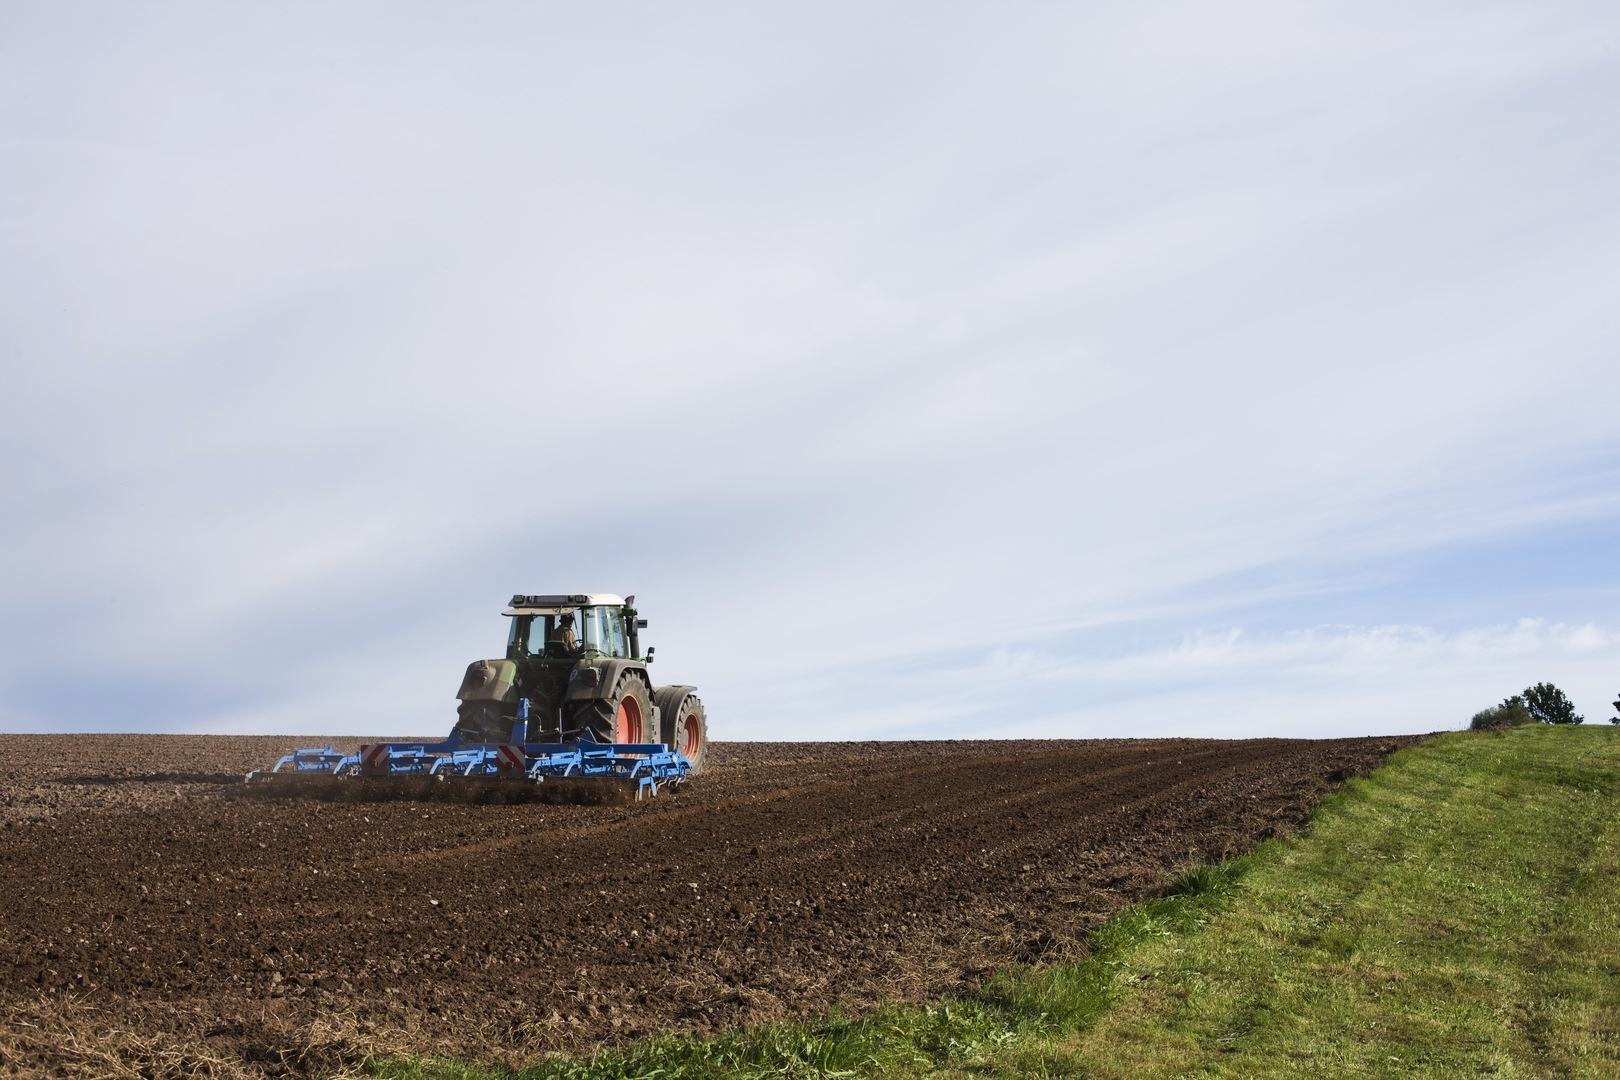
556, 604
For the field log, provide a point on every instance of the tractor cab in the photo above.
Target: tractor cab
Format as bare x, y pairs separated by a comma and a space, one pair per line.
579, 627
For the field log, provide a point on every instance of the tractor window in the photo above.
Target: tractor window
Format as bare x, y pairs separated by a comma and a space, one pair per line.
540, 633
530, 632
590, 631
604, 631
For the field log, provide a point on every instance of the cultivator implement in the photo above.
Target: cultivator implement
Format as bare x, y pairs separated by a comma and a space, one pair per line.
457, 771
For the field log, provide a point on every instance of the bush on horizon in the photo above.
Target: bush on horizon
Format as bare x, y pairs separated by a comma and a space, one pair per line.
1511, 713
1542, 703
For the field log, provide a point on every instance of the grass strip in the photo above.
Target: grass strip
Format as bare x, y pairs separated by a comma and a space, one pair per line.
1455, 914
1458, 914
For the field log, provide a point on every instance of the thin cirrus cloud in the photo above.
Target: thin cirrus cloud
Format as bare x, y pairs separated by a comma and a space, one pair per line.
1323, 680
1029, 371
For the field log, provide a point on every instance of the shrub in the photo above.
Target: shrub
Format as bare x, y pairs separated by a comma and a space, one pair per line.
1549, 705
1616, 719
1511, 713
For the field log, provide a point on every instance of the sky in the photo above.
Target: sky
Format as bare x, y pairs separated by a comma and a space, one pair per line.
926, 370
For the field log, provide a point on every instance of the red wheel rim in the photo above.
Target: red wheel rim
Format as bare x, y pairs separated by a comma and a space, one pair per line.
689, 735
627, 725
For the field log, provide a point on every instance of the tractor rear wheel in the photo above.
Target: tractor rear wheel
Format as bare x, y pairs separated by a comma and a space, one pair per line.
621, 717
685, 725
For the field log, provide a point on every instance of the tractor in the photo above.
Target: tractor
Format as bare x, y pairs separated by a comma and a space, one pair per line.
574, 672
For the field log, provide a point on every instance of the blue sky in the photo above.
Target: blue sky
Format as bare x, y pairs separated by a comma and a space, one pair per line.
925, 370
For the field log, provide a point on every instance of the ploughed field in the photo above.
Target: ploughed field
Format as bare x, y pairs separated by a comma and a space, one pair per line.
148, 916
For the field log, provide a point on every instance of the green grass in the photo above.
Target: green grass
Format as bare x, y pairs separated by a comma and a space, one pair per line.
1456, 914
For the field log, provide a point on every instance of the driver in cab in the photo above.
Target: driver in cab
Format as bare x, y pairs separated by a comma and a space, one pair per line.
563, 635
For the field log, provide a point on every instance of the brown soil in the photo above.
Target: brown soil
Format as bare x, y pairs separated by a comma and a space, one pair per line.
151, 923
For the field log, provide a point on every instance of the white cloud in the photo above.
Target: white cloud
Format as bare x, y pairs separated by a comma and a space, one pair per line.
846, 337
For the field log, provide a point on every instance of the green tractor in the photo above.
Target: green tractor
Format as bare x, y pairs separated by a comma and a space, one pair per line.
577, 660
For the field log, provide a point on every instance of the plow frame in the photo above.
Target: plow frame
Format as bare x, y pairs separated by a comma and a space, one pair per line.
645, 765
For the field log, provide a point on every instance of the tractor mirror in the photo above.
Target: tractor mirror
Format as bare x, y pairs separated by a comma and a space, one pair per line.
641, 624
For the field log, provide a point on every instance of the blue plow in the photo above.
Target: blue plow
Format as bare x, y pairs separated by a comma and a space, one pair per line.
641, 766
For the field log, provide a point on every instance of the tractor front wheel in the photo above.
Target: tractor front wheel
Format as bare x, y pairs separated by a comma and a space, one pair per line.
685, 725
621, 717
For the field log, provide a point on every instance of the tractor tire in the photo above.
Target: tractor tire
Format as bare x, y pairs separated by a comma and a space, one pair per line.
685, 725
484, 721
621, 717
